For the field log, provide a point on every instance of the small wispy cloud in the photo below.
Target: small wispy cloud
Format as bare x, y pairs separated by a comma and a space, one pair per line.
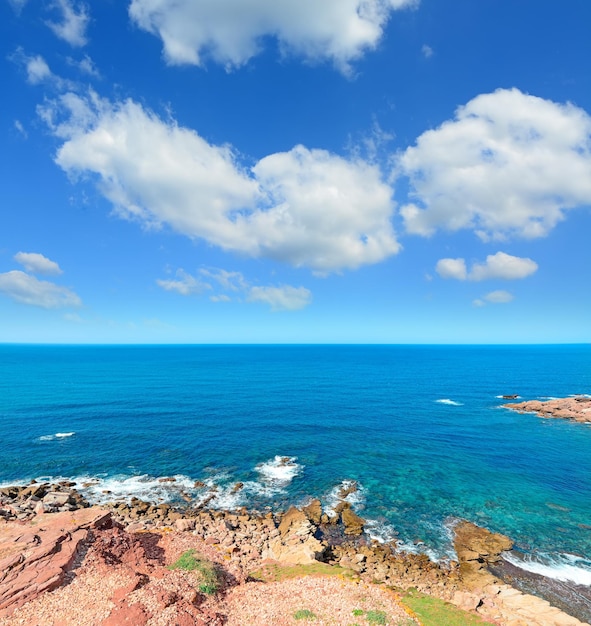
37, 263
234, 286
427, 51
494, 297
497, 266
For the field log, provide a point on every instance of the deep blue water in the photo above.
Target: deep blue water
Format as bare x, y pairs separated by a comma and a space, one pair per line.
221, 414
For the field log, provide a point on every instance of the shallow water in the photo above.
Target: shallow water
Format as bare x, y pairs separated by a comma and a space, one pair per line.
419, 428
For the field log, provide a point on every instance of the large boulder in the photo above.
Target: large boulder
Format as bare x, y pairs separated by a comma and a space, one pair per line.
477, 547
296, 543
352, 522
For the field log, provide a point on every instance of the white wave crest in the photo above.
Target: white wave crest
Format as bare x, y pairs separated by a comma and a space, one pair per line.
144, 487
356, 497
278, 472
563, 567
56, 436
448, 401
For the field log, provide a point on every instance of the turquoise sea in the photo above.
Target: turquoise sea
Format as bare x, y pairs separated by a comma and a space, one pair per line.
420, 428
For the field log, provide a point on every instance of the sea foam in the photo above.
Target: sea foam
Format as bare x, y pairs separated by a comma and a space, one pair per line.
448, 401
56, 436
279, 471
563, 567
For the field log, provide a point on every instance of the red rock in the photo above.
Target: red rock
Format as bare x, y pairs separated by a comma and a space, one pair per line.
37, 562
128, 615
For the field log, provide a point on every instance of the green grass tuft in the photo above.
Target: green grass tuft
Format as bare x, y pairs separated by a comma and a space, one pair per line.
304, 614
376, 617
434, 612
358, 612
189, 561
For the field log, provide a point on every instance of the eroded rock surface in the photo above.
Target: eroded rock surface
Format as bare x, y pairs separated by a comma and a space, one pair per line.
36, 558
577, 408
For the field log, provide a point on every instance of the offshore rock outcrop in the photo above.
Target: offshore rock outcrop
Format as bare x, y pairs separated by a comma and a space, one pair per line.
576, 408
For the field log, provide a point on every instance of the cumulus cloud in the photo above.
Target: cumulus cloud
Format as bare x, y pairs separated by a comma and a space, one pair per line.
27, 289
74, 19
284, 298
494, 297
37, 263
500, 265
452, 268
37, 69
231, 32
304, 207
184, 284
504, 266
509, 164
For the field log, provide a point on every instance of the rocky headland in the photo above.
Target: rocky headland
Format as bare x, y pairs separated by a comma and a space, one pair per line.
576, 408
63, 561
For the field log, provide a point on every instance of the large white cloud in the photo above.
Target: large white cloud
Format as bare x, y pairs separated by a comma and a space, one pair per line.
27, 289
304, 207
509, 164
37, 263
232, 31
497, 266
74, 19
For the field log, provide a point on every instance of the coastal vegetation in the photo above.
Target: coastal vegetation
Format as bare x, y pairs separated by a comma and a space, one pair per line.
209, 576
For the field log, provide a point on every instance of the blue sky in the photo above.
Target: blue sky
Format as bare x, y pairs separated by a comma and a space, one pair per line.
365, 171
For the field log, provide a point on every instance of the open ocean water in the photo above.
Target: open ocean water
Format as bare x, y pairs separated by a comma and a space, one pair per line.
420, 428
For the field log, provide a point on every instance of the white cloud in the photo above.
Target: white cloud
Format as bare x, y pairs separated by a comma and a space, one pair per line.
284, 298
37, 263
509, 164
185, 284
504, 266
21, 129
231, 32
37, 70
427, 51
452, 268
500, 265
230, 281
222, 297
85, 65
27, 289
74, 21
305, 207
494, 297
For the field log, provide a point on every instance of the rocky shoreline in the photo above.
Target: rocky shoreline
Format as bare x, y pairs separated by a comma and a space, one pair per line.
576, 408
33, 562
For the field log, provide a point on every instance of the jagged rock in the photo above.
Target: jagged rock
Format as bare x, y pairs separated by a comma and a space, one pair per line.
37, 562
185, 524
126, 614
313, 511
352, 522
476, 547
56, 499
